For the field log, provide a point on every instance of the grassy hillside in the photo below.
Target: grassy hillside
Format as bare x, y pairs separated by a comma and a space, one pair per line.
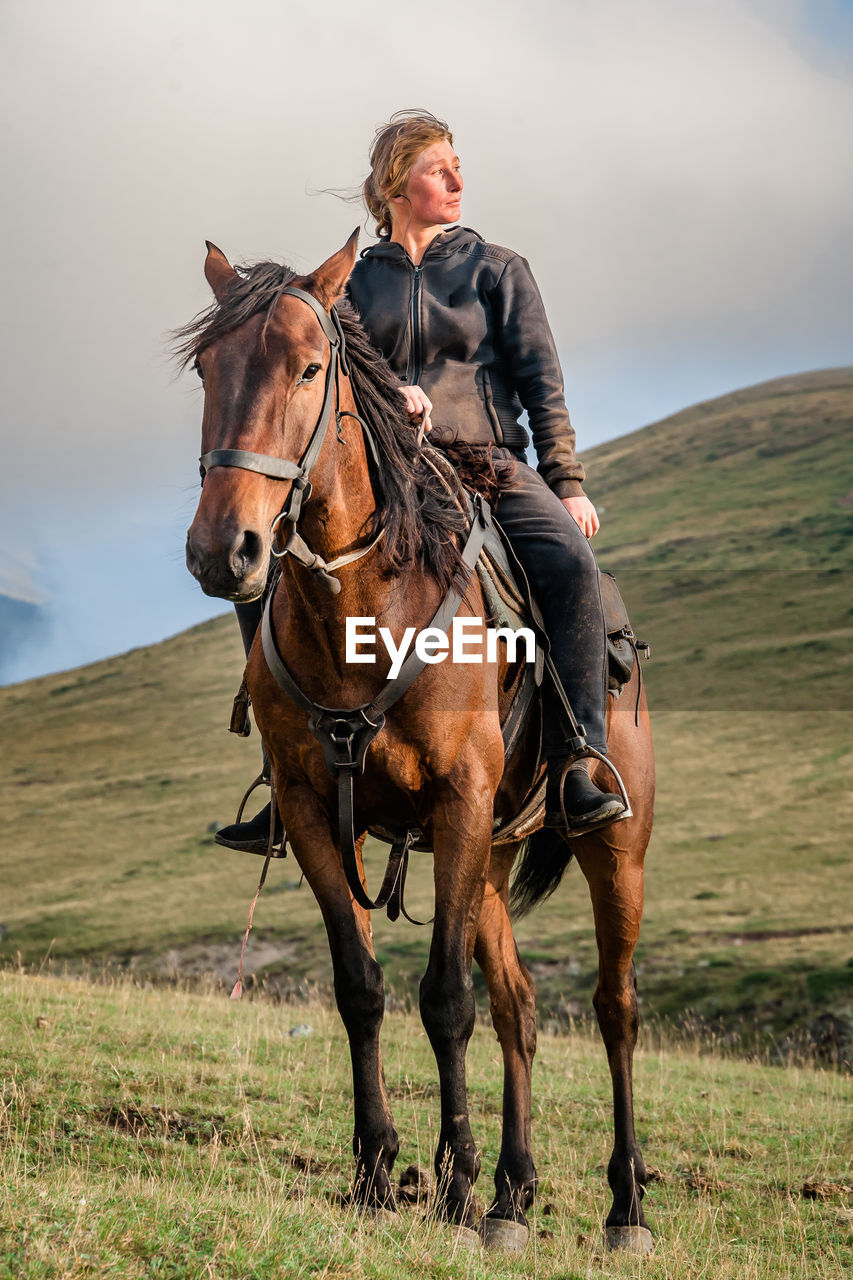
116, 774
730, 527
147, 1133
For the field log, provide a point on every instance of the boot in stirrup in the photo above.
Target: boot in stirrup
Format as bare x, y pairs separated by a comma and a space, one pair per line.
573, 803
252, 836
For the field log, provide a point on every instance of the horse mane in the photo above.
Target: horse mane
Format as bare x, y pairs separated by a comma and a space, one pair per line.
420, 516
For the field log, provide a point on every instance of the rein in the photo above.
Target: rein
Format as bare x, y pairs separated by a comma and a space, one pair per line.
283, 469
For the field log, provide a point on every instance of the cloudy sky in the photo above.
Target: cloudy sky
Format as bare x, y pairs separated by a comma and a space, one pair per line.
678, 172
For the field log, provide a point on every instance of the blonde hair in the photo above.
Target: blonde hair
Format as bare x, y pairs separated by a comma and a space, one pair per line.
396, 147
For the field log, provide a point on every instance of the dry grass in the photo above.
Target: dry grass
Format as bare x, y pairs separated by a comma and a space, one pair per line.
151, 1133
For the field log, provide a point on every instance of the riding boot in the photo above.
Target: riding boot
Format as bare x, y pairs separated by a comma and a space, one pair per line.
251, 836
573, 803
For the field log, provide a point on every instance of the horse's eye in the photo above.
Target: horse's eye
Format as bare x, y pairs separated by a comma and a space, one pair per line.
197, 368
310, 373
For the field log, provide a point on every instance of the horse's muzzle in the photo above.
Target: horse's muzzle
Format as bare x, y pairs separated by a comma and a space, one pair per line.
232, 567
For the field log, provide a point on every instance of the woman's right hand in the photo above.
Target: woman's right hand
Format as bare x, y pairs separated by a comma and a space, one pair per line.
419, 405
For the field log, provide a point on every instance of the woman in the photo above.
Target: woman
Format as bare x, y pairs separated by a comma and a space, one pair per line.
462, 324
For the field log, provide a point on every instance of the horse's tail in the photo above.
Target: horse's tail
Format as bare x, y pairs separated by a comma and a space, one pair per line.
543, 862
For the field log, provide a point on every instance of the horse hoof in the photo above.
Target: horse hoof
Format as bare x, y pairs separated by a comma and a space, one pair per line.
464, 1238
629, 1239
501, 1233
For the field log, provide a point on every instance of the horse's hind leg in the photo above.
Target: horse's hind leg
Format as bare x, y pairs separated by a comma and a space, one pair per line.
513, 1007
359, 992
614, 872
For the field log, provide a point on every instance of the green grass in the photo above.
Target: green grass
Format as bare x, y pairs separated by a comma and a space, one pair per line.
148, 1133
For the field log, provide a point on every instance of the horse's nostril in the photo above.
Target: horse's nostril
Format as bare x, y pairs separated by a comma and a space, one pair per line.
190, 555
246, 555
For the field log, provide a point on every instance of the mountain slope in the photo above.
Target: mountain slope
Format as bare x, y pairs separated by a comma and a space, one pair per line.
758, 479
729, 527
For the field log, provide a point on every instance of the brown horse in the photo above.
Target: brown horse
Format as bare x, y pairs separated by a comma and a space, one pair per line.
274, 382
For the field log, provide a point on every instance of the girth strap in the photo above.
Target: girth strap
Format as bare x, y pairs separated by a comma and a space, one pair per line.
345, 734
396, 905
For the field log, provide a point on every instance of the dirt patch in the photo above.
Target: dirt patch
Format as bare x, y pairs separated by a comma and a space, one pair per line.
704, 1183
155, 1121
302, 1164
218, 960
813, 1189
768, 935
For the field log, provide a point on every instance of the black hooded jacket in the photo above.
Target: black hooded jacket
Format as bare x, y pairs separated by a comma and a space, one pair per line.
476, 339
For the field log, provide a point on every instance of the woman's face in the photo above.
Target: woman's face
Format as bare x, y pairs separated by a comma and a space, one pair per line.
433, 192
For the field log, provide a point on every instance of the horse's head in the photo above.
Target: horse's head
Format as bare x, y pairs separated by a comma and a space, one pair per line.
265, 369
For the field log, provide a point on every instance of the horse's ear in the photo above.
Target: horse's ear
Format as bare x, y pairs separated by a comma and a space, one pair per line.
217, 270
327, 283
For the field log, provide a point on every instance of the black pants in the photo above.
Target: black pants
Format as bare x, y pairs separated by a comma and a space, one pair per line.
249, 619
562, 572
563, 575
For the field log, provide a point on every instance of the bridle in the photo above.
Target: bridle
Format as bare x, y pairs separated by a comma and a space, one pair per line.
283, 469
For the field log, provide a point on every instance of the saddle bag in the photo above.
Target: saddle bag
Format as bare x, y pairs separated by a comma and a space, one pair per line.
623, 646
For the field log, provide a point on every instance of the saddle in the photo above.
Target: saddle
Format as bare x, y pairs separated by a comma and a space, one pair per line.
510, 603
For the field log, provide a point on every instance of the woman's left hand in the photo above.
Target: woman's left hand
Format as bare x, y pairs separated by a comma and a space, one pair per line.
583, 513
418, 405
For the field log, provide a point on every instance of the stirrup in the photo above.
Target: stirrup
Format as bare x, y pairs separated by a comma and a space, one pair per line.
260, 781
270, 849
586, 752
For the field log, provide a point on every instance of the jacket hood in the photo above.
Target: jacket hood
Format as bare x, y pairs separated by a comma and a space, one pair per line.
444, 244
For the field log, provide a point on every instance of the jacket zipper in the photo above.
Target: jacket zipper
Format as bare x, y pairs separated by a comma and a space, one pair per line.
416, 329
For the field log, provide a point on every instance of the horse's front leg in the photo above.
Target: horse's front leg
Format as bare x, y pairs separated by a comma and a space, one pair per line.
359, 991
513, 1006
462, 822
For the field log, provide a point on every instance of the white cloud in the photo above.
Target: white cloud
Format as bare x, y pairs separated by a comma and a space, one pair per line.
17, 577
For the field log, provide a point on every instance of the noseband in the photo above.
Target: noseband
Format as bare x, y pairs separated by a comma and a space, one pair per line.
282, 469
